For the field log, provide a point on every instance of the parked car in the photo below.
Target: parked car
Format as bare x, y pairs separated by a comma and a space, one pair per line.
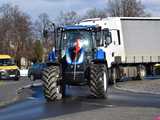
8, 68
35, 71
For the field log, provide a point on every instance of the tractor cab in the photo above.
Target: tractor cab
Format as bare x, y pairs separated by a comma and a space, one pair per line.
75, 42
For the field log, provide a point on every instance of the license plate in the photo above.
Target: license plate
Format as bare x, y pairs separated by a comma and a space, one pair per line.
12, 75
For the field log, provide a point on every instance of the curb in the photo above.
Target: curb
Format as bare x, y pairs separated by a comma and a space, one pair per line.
136, 91
29, 86
14, 99
6, 103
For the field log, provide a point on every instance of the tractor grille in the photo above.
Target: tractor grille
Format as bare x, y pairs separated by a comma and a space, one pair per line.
70, 76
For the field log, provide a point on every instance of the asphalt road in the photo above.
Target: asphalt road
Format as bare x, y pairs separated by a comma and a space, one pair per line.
78, 105
9, 89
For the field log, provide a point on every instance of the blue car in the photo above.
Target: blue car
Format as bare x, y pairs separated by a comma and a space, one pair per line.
35, 71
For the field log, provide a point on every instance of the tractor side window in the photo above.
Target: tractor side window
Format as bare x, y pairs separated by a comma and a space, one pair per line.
58, 40
64, 41
98, 38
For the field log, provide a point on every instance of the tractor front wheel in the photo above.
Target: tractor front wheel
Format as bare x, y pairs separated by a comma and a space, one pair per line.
99, 80
51, 78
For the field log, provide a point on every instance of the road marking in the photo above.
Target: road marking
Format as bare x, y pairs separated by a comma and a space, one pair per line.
31, 98
29, 86
98, 104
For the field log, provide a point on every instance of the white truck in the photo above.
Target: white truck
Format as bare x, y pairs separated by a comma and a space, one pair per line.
135, 46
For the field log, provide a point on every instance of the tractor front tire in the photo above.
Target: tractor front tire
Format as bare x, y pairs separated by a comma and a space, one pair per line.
51, 77
99, 80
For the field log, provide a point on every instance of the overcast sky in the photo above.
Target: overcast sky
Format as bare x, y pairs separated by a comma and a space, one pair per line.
53, 7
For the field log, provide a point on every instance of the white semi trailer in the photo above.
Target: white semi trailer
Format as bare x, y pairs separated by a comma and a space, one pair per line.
135, 46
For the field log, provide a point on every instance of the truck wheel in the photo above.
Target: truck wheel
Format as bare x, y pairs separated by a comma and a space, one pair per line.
50, 78
98, 80
141, 73
114, 75
110, 77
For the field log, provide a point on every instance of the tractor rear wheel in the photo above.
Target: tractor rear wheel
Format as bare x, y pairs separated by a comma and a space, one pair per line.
51, 77
99, 80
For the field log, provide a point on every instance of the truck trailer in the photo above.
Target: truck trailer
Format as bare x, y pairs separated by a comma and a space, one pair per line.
135, 46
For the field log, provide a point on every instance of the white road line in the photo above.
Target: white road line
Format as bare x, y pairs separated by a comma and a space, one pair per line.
98, 104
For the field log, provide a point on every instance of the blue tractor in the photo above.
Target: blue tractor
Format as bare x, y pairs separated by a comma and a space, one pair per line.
80, 61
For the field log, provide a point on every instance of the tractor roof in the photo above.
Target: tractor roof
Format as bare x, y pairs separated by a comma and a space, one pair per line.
80, 27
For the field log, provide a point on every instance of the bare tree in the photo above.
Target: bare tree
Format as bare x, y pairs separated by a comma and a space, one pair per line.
38, 51
15, 31
68, 18
126, 8
40, 24
95, 13
43, 22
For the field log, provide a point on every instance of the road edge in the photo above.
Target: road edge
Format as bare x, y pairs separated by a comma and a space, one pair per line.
28, 86
4, 104
135, 91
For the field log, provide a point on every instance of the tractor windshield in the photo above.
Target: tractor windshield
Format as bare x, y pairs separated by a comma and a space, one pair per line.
82, 39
